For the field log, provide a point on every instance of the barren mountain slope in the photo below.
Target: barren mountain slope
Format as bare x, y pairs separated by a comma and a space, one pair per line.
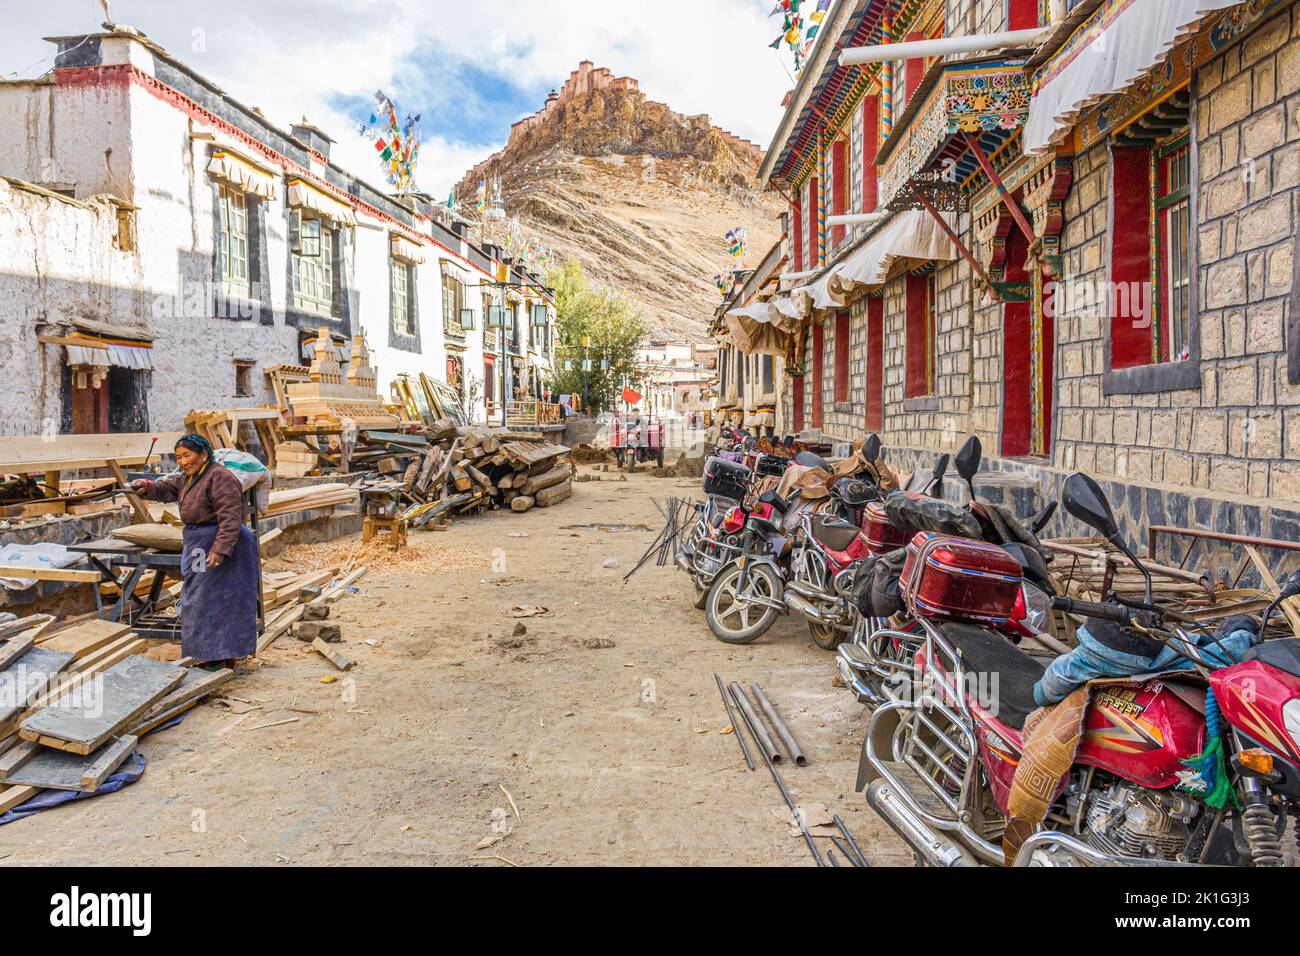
641, 195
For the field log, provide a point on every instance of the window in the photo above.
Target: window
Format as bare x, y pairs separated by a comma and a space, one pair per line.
875, 363
1172, 175
489, 333
403, 297
232, 240
767, 365
452, 296
244, 379
1150, 300
312, 263
920, 342
842, 336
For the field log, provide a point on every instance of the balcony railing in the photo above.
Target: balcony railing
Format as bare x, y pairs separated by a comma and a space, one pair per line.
530, 413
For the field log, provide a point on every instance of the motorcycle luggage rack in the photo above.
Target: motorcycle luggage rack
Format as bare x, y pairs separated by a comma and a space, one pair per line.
941, 709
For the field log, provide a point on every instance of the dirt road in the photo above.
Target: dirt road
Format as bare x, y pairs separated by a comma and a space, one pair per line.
602, 721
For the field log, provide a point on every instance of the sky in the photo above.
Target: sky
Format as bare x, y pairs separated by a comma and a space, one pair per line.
470, 67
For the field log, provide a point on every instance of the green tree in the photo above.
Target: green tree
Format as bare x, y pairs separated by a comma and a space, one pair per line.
599, 325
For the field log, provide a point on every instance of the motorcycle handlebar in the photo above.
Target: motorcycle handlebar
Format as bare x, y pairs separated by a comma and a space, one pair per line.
1105, 612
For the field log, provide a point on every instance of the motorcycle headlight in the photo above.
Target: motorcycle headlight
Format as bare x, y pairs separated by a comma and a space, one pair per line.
1291, 717
1038, 608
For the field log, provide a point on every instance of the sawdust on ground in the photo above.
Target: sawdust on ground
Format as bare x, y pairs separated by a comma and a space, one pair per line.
599, 722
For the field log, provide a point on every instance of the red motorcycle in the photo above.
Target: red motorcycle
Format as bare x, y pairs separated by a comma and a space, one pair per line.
878, 662
939, 766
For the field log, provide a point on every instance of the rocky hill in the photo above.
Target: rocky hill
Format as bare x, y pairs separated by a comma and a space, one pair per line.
641, 195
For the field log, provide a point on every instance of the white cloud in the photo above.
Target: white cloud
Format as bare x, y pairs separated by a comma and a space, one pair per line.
292, 58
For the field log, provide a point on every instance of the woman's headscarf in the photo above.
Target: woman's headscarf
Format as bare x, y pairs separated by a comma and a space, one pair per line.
196, 443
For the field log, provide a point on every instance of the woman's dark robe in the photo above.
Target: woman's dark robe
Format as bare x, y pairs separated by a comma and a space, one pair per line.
218, 604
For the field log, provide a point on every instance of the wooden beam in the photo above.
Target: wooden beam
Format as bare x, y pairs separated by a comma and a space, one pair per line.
137, 504
50, 574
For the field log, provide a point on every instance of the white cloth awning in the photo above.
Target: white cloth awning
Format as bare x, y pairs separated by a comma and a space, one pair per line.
454, 270
913, 235
1134, 40
244, 175
407, 251
112, 356
303, 195
760, 329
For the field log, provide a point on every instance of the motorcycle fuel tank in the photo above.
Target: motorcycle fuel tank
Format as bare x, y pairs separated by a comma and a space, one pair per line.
1142, 732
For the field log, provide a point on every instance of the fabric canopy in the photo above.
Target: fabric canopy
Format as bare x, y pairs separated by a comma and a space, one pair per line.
104, 352
303, 195
239, 172
818, 294
1136, 39
913, 234
760, 329
407, 251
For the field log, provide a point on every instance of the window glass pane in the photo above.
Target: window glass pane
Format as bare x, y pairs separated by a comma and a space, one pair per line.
313, 276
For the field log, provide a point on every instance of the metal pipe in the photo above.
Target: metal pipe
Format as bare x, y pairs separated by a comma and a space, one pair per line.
916, 49
761, 736
831, 856
852, 842
843, 849
778, 724
798, 817
857, 218
735, 729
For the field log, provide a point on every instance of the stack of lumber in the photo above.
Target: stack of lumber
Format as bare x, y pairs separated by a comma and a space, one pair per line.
470, 470
222, 429
74, 703
313, 498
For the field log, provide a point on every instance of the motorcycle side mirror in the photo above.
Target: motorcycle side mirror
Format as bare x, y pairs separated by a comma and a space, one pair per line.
1084, 499
871, 450
1291, 587
941, 467
969, 458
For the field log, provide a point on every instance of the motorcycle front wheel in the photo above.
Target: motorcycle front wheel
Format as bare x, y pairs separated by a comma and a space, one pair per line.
734, 620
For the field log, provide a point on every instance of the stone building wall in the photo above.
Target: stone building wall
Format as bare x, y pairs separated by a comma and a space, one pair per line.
1239, 431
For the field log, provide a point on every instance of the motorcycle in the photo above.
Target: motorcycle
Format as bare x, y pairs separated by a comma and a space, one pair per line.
939, 767
799, 556
878, 662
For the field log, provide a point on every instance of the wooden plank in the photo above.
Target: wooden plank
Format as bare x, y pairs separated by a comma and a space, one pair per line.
331, 655
16, 797
15, 648
84, 722
197, 685
66, 575
137, 504
47, 769
85, 638
25, 681
26, 623
553, 496
281, 625
31, 454
1270, 582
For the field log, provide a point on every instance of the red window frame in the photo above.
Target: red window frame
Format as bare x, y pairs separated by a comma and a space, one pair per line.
843, 336
839, 187
818, 373
796, 397
814, 254
920, 341
797, 214
875, 363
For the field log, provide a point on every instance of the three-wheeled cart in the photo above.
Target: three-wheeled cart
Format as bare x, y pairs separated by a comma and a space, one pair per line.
636, 438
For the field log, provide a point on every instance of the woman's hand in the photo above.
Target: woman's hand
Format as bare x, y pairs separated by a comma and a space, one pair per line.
140, 486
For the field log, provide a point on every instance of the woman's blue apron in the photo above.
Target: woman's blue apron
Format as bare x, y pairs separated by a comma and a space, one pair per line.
218, 605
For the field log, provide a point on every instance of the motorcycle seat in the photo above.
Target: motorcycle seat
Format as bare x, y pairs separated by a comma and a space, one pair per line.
1282, 654
833, 533
986, 653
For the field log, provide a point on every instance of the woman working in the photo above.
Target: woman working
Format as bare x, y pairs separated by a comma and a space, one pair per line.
219, 559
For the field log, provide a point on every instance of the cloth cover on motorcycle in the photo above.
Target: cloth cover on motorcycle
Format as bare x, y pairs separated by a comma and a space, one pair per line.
915, 512
1109, 650
876, 591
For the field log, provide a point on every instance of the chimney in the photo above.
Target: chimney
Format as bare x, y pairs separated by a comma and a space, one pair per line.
460, 229
312, 137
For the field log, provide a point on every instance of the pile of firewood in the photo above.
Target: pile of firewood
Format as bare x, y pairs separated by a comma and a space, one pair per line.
471, 470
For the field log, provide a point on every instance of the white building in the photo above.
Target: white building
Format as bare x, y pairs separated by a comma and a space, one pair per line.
164, 244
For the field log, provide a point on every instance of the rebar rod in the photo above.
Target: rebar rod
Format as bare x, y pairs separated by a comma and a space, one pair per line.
735, 728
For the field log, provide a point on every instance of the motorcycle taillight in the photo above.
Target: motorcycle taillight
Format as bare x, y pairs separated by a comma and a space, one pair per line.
734, 521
